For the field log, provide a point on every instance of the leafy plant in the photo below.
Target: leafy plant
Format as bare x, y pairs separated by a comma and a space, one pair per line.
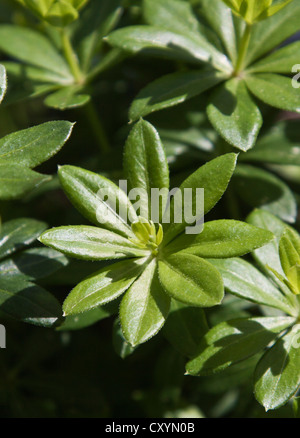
163, 261
235, 58
277, 375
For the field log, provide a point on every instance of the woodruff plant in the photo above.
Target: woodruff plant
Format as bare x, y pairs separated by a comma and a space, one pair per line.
163, 261
168, 272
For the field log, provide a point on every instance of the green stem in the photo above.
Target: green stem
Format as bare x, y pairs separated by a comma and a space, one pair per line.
97, 127
71, 57
243, 48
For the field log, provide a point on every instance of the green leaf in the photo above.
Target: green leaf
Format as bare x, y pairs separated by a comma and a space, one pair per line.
17, 180
84, 188
221, 20
67, 98
29, 303
31, 147
191, 280
289, 253
233, 341
261, 189
185, 327
90, 243
280, 61
277, 375
171, 90
274, 90
222, 239
213, 177
33, 264
243, 280
234, 114
2, 82
146, 167
18, 233
153, 40
103, 286
269, 34
144, 308
32, 47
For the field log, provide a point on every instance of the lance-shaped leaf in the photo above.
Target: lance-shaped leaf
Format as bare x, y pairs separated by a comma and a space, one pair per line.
233, 341
277, 375
144, 308
222, 239
31, 147
173, 89
267, 35
221, 20
154, 40
261, 189
289, 253
17, 180
213, 177
33, 264
191, 280
90, 243
185, 327
18, 233
280, 61
2, 82
275, 90
245, 281
98, 199
103, 286
27, 302
146, 167
33, 48
234, 114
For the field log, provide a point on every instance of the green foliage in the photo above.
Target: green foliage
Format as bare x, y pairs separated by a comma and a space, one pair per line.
172, 288
174, 30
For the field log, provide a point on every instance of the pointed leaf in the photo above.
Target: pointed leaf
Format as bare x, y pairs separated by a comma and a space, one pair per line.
145, 164
213, 177
222, 239
90, 243
171, 90
280, 61
86, 191
234, 114
274, 90
277, 374
33, 48
233, 341
31, 147
245, 281
67, 98
144, 308
102, 287
191, 280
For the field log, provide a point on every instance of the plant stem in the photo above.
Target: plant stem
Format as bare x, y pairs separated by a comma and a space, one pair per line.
97, 127
243, 48
71, 57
